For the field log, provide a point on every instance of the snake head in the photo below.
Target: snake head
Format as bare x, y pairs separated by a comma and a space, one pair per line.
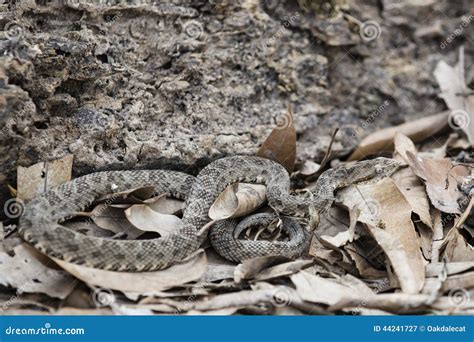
381, 167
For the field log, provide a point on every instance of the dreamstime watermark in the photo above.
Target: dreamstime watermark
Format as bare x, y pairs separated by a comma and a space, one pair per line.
284, 121
102, 297
459, 119
111, 20
286, 23
361, 128
281, 297
20, 290
369, 30
459, 297
189, 300
46, 330
13, 31
193, 29
466, 21
381, 286
14, 208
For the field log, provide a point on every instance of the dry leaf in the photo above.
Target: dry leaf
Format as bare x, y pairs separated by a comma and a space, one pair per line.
237, 200
400, 303
309, 168
441, 178
417, 130
165, 205
280, 145
113, 219
435, 268
27, 270
218, 268
251, 267
366, 270
146, 219
328, 291
456, 248
387, 215
414, 191
282, 270
38, 178
403, 144
341, 238
141, 282
453, 86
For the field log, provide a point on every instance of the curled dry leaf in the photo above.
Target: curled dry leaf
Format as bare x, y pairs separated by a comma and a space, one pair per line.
417, 130
190, 269
38, 178
280, 145
29, 271
441, 178
146, 219
387, 215
408, 182
236, 200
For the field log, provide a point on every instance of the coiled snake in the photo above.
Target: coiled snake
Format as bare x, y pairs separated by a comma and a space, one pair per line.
40, 223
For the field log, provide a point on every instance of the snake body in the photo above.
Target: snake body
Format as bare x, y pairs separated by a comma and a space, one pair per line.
40, 223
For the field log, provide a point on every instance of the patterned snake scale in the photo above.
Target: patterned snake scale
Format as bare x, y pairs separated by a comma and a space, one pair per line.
40, 223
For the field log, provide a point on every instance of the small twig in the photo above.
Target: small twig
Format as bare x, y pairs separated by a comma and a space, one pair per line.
464, 215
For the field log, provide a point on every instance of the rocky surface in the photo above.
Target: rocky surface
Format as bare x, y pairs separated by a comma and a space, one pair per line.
138, 84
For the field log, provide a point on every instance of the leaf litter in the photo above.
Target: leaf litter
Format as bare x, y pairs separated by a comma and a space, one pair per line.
401, 245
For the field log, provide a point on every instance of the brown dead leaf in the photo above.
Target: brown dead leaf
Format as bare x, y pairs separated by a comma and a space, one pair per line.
414, 191
237, 200
387, 215
366, 270
29, 271
38, 178
456, 248
441, 178
141, 282
403, 144
146, 219
417, 130
454, 89
280, 145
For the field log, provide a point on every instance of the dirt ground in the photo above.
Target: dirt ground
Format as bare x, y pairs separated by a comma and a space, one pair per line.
136, 84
